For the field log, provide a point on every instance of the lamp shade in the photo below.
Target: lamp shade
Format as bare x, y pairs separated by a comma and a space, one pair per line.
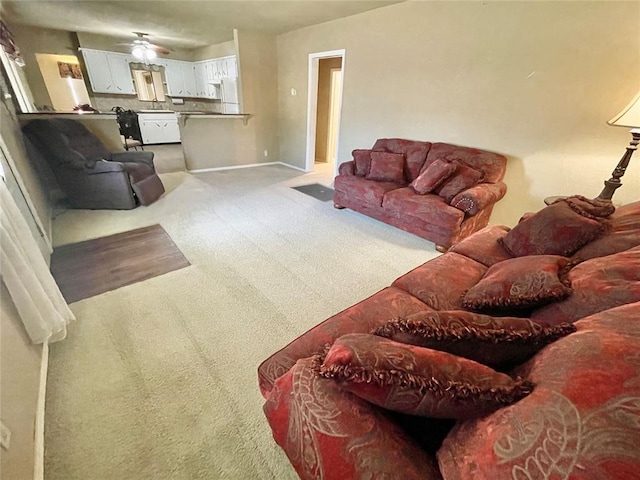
629, 116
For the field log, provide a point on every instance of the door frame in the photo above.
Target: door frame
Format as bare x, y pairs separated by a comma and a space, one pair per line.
312, 104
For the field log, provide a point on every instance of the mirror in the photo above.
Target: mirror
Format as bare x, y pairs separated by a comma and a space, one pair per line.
148, 80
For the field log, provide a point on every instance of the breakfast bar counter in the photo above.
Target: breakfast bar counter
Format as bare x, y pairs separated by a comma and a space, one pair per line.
212, 141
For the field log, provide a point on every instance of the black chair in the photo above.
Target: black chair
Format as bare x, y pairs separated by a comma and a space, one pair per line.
87, 173
129, 128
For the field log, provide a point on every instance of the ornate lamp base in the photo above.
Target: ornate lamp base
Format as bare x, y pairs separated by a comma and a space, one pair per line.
611, 185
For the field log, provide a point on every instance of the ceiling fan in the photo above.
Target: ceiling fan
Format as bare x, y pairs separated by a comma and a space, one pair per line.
142, 49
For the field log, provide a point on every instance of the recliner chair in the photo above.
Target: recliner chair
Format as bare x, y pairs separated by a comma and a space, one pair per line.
87, 173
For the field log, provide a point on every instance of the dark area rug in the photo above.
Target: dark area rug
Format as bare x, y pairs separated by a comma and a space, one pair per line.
92, 267
317, 191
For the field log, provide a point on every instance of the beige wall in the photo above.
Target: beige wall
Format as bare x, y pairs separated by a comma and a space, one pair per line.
32, 40
20, 362
65, 93
214, 51
257, 59
533, 80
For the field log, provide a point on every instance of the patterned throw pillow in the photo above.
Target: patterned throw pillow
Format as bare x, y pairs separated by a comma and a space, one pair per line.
387, 167
493, 341
362, 159
559, 229
432, 176
416, 380
521, 282
464, 177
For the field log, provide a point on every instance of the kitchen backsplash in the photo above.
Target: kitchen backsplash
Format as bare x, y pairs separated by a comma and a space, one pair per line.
105, 103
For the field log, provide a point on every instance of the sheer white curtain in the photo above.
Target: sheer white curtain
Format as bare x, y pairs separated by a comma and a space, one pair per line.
34, 292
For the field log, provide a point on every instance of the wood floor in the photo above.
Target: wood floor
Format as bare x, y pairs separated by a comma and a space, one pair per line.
92, 267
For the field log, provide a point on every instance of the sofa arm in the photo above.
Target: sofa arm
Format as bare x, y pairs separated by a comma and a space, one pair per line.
144, 157
104, 166
327, 432
347, 168
479, 197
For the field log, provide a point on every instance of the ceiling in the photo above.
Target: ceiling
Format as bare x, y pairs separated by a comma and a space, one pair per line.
182, 24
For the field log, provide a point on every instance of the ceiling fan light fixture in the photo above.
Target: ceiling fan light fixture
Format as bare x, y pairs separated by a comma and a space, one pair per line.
138, 51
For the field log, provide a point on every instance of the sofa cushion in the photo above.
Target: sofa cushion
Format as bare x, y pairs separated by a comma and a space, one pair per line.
441, 282
598, 284
405, 202
557, 229
521, 282
581, 420
415, 153
483, 246
492, 164
362, 159
361, 317
386, 167
464, 177
416, 380
493, 341
363, 191
623, 234
433, 176
329, 433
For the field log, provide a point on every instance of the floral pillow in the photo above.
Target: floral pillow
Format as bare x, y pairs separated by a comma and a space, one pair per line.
493, 341
362, 159
416, 380
387, 167
521, 282
432, 176
465, 177
559, 229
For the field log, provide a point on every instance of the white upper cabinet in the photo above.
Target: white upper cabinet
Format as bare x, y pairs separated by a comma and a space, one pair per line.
109, 72
189, 77
181, 78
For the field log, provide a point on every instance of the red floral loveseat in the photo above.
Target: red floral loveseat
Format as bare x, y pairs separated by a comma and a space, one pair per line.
438, 191
515, 355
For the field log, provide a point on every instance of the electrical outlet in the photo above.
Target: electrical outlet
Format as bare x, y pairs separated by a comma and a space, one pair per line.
266, 153
294, 92
5, 436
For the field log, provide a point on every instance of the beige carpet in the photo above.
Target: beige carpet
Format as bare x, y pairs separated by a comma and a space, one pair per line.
157, 380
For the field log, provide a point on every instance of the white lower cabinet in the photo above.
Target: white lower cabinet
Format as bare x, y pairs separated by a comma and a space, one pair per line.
159, 128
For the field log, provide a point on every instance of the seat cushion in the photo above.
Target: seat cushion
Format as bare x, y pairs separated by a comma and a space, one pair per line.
363, 191
483, 246
405, 202
580, 421
362, 317
598, 284
441, 282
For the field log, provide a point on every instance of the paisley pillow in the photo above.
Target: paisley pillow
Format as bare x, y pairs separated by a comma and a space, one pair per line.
520, 282
386, 167
432, 176
493, 341
362, 159
559, 229
464, 177
416, 380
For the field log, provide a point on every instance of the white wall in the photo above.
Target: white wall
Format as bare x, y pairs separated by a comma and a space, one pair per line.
535, 81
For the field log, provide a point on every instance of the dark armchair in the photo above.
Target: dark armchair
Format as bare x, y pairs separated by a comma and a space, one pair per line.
87, 173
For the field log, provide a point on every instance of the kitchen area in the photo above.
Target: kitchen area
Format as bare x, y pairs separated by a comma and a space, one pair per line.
215, 106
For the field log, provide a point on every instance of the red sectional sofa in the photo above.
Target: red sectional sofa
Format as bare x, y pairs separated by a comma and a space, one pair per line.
512, 356
438, 191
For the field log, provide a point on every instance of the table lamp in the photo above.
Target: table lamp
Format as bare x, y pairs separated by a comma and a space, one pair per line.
628, 117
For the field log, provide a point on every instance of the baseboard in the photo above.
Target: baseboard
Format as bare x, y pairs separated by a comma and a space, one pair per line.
250, 165
38, 454
232, 167
292, 166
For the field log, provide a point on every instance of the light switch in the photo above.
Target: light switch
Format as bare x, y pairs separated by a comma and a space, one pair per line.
294, 92
5, 436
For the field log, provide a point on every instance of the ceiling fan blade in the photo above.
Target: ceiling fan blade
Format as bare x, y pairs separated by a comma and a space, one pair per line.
159, 49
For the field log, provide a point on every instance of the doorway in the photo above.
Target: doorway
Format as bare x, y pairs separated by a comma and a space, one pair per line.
326, 74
